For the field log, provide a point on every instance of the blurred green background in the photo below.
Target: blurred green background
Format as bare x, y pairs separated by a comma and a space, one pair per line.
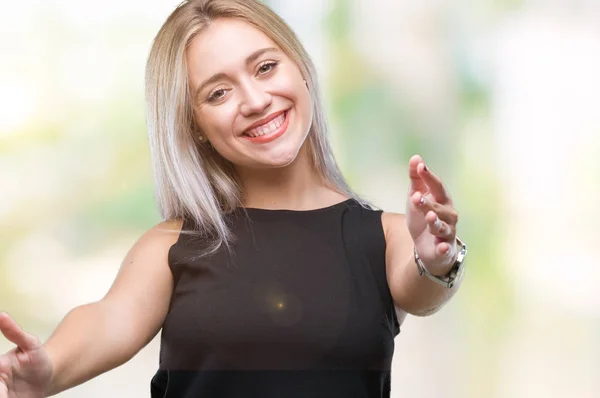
501, 98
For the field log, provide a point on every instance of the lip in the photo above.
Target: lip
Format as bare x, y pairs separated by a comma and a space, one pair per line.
263, 139
264, 120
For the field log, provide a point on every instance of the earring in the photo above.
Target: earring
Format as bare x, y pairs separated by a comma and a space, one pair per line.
202, 139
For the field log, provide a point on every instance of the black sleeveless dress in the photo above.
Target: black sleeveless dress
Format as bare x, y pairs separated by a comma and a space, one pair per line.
302, 309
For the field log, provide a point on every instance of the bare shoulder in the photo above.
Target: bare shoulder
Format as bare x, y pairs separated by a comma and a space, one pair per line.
152, 247
394, 224
167, 231
396, 236
141, 292
147, 260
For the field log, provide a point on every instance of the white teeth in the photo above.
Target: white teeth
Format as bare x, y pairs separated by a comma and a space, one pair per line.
267, 128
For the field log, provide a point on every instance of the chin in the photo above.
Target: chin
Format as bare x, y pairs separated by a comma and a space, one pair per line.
281, 160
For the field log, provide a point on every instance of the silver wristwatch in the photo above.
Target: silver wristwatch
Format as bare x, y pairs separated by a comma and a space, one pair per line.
455, 272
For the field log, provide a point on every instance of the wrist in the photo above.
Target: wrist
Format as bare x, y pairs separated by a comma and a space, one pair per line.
448, 275
438, 270
52, 387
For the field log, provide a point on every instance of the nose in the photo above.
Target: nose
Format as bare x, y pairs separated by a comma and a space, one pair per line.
255, 99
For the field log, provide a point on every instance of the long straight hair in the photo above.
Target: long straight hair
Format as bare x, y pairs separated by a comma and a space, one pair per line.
192, 180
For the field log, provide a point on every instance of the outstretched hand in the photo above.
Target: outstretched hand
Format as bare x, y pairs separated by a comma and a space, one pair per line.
431, 218
26, 370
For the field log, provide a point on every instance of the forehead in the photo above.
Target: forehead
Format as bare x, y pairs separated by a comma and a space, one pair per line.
225, 44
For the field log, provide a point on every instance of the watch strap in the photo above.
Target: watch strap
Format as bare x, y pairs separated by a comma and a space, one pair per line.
450, 279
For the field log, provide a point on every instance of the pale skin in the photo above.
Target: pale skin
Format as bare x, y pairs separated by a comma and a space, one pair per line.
100, 336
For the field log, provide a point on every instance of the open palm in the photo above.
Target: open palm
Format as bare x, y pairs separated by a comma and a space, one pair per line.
431, 218
26, 370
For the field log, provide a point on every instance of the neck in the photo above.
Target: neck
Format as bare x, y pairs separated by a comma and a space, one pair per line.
296, 186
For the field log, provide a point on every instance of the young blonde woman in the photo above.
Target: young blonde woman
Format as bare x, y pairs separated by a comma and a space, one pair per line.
269, 277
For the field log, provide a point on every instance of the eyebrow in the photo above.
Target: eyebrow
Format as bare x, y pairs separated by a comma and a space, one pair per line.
250, 59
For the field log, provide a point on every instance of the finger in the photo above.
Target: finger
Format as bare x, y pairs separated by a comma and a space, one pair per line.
419, 201
16, 335
6, 362
434, 184
426, 204
5, 371
4, 376
444, 212
3, 386
439, 228
417, 182
444, 250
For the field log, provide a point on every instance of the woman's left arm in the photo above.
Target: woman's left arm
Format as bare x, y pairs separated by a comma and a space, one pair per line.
429, 227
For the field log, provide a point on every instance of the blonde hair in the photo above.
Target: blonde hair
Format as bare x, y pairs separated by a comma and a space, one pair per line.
191, 180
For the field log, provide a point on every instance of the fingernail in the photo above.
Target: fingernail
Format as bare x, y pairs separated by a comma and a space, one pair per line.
437, 223
425, 168
422, 200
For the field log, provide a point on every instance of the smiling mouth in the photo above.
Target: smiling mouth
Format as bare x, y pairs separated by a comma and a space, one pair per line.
269, 131
267, 128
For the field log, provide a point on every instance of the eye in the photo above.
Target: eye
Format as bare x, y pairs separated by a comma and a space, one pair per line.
267, 67
217, 95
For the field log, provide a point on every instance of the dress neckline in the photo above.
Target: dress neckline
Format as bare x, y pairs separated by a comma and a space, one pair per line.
334, 206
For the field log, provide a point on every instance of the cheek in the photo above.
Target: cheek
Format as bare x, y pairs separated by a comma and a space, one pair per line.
309, 106
304, 107
292, 87
215, 123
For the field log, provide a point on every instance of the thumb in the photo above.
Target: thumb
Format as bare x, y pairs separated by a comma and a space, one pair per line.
416, 182
16, 335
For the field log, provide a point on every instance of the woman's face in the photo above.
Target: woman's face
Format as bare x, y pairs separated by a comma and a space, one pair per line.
250, 99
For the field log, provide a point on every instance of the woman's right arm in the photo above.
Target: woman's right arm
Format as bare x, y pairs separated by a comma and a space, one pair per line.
97, 337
